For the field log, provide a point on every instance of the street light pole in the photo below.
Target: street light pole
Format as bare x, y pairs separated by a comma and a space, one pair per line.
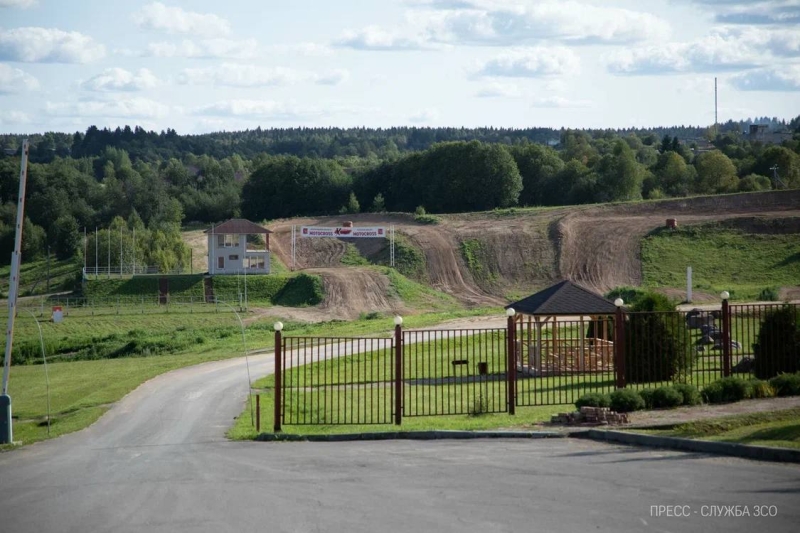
246, 360
6, 429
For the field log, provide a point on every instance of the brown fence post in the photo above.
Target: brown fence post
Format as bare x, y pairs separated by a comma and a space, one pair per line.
278, 370
619, 344
511, 370
726, 336
398, 370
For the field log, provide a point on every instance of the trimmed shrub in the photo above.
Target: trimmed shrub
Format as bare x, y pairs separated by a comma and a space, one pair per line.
786, 384
626, 400
691, 396
760, 389
777, 346
656, 346
593, 399
647, 396
667, 397
725, 390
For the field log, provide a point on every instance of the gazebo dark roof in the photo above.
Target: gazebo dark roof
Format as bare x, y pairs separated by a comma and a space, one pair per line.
238, 226
564, 298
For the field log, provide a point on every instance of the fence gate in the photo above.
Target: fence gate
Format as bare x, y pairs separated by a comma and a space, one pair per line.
454, 372
334, 380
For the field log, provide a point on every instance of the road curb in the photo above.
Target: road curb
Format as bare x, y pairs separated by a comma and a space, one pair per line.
762, 453
412, 435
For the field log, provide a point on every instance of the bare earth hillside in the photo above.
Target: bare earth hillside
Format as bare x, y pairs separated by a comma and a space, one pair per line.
517, 251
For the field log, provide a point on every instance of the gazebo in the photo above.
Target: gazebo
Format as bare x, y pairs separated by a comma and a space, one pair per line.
564, 328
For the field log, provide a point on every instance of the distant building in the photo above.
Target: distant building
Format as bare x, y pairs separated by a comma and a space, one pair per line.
230, 253
761, 133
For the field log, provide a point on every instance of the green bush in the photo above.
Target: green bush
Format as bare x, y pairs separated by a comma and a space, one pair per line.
725, 390
647, 396
760, 389
691, 396
667, 397
770, 294
593, 399
626, 400
777, 346
786, 384
656, 346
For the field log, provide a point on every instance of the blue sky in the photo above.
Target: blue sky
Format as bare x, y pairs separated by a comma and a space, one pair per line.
199, 66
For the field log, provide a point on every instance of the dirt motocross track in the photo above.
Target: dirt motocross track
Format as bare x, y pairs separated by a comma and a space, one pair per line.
517, 252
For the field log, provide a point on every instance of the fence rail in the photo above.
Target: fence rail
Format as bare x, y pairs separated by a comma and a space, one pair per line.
471, 371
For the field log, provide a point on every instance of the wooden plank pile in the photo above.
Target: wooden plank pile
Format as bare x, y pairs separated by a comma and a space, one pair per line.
591, 416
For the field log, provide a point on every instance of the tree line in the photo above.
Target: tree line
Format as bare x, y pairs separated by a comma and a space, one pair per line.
156, 195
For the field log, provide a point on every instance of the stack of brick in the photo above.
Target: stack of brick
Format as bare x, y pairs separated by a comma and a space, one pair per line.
591, 416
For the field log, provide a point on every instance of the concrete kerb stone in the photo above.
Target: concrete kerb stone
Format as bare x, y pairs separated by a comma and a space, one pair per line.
762, 453
411, 435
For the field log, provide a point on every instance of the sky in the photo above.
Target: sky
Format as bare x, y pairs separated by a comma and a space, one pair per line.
200, 66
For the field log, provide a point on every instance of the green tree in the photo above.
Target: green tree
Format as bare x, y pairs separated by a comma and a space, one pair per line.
716, 173
66, 237
673, 176
538, 165
378, 204
788, 164
619, 175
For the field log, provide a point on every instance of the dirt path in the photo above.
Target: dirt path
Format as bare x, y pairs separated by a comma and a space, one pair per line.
704, 412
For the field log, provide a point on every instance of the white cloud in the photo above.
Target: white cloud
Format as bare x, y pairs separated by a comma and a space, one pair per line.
259, 109
498, 90
753, 12
159, 17
531, 62
375, 38
119, 79
237, 75
14, 80
772, 79
205, 49
115, 108
559, 102
722, 50
47, 45
14, 117
18, 3
306, 49
424, 116
519, 22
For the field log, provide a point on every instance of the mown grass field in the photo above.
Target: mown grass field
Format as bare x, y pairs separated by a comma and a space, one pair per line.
773, 428
744, 264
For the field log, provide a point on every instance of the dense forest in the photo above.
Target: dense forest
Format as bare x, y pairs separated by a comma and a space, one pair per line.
129, 180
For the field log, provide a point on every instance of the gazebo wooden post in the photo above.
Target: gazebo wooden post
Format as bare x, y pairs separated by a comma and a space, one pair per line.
582, 348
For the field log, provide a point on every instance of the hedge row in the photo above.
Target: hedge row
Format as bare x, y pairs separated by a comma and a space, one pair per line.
731, 389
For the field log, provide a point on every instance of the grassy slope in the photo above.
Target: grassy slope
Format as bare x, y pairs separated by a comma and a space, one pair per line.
721, 259
33, 276
773, 428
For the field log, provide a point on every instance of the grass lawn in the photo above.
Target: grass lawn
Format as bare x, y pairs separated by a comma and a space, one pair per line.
721, 259
772, 428
524, 419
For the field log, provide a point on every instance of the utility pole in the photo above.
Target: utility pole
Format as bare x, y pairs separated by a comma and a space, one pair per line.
6, 429
775, 179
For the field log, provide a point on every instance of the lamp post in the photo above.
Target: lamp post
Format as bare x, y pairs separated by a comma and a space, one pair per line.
619, 343
726, 334
276, 420
246, 360
511, 364
398, 370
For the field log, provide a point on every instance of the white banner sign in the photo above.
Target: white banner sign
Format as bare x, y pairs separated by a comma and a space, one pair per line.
355, 232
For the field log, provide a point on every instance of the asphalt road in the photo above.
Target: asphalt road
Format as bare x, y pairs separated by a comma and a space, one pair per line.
158, 461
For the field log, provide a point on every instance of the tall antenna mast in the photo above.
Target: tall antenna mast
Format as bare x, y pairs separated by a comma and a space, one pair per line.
716, 131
